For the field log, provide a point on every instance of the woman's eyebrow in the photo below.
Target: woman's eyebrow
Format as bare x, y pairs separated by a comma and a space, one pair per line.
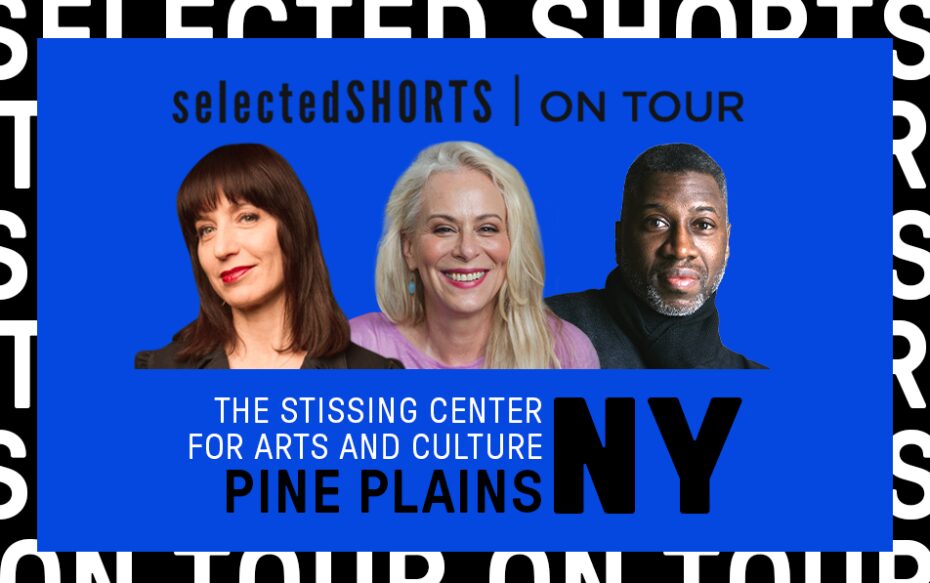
449, 218
452, 219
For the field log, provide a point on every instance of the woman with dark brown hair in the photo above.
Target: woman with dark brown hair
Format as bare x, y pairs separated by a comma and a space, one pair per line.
265, 296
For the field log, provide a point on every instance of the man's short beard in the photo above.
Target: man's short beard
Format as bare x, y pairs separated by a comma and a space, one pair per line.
649, 293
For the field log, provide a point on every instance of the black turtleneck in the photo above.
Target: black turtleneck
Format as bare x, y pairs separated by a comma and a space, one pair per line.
628, 333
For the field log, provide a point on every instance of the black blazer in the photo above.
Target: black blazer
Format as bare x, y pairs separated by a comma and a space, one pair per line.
353, 357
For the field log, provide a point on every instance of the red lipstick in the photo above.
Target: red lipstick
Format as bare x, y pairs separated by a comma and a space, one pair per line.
235, 274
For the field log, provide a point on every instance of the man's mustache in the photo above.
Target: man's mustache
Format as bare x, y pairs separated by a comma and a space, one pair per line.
680, 270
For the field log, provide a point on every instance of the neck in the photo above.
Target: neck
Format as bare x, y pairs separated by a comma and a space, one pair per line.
691, 341
262, 334
454, 340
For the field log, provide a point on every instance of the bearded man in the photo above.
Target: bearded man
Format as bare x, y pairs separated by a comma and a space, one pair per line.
672, 241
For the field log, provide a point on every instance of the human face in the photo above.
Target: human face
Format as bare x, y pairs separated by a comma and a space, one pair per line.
674, 241
239, 252
460, 244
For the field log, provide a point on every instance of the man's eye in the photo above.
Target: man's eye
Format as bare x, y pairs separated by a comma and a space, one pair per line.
654, 223
705, 225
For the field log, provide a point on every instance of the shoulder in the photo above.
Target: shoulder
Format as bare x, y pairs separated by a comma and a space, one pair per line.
740, 361
373, 331
167, 357
359, 357
590, 311
579, 305
572, 346
379, 334
371, 323
144, 359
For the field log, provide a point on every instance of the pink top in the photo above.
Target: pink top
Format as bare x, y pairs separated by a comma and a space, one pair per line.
377, 333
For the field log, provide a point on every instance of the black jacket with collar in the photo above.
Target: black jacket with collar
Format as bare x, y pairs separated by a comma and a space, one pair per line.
627, 333
352, 357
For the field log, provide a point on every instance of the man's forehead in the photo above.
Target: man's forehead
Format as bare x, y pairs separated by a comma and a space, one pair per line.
693, 189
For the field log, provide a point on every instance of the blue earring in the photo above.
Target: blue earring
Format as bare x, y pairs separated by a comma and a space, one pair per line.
412, 285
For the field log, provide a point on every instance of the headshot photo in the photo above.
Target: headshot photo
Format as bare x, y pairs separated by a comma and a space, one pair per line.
657, 308
265, 294
460, 272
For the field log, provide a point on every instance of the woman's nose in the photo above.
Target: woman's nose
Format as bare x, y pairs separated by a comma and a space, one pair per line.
225, 242
466, 247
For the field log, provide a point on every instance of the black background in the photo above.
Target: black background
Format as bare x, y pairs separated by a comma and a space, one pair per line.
511, 18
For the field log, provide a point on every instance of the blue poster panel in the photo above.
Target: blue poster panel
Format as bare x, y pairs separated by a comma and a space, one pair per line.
793, 456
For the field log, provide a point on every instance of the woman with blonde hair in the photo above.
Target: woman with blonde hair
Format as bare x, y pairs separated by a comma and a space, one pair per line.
460, 272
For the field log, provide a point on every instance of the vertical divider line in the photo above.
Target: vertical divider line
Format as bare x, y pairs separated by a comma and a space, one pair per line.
516, 100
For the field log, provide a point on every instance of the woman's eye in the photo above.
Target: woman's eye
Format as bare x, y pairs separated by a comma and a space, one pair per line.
489, 229
442, 229
205, 231
249, 218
